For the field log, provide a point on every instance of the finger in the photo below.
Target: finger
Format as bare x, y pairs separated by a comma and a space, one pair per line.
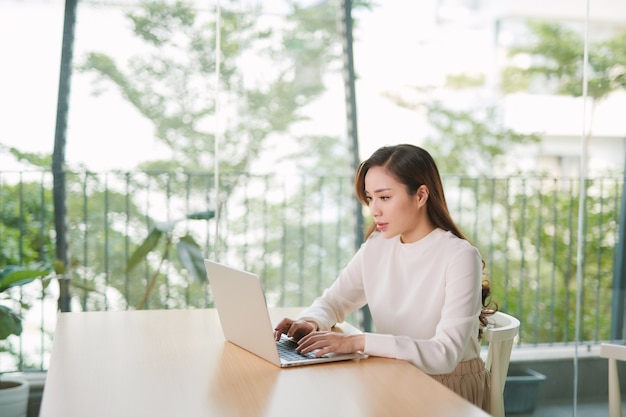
282, 327
294, 330
297, 330
277, 333
305, 341
310, 344
318, 349
283, 324
322, 352
312, 336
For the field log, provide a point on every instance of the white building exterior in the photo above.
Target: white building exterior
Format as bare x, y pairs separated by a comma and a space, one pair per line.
557, 119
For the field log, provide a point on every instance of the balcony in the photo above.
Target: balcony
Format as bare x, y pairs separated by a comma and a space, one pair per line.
297, 233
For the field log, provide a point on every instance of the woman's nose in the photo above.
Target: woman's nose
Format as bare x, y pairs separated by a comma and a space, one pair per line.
374, 209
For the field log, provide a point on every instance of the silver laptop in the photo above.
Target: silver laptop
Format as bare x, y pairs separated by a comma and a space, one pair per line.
242, 309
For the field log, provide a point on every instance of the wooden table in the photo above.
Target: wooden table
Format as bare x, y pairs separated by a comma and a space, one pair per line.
175, 363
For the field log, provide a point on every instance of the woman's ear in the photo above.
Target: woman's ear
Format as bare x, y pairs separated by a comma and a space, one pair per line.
422, 194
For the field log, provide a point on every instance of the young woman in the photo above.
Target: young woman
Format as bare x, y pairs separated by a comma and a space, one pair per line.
420, 277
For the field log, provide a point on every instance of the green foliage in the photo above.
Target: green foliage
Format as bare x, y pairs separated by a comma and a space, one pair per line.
105, 221
459, 81
24, 220
470, 141
555, 55
172, 82
41, 161
466, 141
290, 237
189, 252
10, 277
321, 156
297, 241
526, 230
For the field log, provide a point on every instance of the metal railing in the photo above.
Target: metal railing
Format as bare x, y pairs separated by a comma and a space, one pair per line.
296, 233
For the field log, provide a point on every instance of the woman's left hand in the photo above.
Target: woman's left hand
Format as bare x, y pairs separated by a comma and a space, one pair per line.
331, 342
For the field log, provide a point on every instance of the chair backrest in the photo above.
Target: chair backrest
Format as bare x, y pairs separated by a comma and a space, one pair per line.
500, 334
614, 352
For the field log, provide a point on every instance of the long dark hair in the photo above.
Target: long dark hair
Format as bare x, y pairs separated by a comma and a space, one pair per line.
414, 166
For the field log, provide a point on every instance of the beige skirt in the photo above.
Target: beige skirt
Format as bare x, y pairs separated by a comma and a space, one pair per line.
471, 380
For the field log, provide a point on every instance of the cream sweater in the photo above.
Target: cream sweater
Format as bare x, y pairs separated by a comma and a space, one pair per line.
425, 299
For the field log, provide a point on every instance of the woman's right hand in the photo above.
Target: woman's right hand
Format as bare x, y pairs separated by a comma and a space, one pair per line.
295, 329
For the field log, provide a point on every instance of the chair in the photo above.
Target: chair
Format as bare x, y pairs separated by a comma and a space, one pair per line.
614, 353
500, 333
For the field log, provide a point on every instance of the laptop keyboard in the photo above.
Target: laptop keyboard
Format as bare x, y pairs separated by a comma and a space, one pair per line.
287, 350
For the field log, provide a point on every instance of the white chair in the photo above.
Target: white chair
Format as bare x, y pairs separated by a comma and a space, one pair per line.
500, 333
614, 353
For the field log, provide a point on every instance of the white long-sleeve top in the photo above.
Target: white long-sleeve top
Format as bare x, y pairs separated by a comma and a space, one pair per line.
424, 297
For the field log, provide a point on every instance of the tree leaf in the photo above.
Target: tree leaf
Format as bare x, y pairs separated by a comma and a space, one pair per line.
84, 286
15, 276
201, 215
142, 251
10, 323
190, 254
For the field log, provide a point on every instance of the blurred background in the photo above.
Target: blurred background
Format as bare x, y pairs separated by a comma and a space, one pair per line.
138, 137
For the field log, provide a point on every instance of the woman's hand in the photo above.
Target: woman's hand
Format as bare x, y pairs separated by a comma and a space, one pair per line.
295, 329
331, 342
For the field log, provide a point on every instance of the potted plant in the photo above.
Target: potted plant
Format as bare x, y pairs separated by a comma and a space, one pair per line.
14, 390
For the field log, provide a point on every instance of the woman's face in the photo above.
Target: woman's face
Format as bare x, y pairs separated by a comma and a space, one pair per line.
395, 212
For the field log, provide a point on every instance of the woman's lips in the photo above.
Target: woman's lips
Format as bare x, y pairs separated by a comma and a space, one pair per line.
381, 226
